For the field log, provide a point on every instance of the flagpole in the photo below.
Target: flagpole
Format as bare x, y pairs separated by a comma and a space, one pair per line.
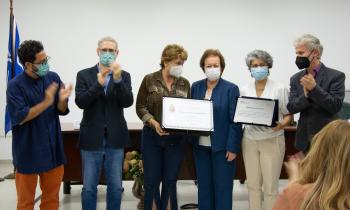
13, 34
11, 7
12, 175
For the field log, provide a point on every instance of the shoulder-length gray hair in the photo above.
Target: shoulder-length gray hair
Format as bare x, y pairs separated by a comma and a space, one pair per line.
259, 54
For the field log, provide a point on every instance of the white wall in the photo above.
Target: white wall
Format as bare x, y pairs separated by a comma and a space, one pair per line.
70, 29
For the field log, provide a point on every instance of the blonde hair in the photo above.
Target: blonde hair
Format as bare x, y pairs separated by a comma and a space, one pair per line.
171, 52
327, 165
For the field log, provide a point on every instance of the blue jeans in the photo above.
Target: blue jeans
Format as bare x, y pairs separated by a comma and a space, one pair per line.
162, 158
112, 161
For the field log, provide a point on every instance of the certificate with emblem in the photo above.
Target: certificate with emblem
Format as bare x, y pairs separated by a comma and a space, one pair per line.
189, 116
256, 111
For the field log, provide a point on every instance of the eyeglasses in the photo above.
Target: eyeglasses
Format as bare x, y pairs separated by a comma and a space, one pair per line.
108, 50
260, 65
43, 62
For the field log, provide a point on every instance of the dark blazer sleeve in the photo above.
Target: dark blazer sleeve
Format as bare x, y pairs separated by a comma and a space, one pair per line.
87, 89
192, 91
195, 90
297, 100
235, 129
123, 92
330, 101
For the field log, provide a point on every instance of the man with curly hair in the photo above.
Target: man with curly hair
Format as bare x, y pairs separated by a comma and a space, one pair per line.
35, 99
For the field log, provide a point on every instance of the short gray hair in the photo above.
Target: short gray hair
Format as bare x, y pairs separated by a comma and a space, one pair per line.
311, 42
259, 54
107, 39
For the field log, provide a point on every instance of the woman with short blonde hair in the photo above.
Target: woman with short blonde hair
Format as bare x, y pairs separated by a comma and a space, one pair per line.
162, 152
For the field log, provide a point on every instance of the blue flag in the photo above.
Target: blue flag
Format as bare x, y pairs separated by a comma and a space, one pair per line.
13, 65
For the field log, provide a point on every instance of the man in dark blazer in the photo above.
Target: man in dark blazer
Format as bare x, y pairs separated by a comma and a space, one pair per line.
317, 92
103, 91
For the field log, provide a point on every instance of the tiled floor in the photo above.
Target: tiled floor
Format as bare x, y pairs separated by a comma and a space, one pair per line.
187, 193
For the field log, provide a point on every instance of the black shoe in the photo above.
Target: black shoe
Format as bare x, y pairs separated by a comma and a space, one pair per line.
10, 176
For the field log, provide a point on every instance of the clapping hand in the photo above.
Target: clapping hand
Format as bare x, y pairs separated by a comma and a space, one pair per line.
65, 92
292, 167
50, 93
101, 76
117, 71
308, 82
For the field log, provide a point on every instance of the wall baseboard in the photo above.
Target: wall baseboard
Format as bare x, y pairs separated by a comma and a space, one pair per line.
5, 148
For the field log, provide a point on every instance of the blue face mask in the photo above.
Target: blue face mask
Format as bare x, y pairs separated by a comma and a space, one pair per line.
42, 69
106, 58
260, 73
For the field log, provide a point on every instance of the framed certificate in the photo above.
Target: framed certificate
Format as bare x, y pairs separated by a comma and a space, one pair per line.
256, 111
187, 116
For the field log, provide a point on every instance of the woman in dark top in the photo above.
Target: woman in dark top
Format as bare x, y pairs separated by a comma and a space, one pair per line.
162, 152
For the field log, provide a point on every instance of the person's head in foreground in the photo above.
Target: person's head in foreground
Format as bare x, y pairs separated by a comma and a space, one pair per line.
327, 165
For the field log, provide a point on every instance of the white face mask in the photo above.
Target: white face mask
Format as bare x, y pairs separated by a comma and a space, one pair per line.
213, 74
176, 71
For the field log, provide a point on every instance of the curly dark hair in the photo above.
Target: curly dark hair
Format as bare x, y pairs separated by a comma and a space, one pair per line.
28, 49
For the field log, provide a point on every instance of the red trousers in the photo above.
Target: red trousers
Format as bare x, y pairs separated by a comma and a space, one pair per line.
50, 182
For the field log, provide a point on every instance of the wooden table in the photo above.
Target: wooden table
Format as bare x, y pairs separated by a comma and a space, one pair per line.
73, 172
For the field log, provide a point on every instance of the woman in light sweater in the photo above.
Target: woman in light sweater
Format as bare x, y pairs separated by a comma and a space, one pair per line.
264, 147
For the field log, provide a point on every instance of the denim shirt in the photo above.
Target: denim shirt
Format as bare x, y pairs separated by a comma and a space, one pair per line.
151, 92
37, 144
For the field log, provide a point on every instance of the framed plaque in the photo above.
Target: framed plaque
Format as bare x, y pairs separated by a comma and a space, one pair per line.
256, 111
188, 116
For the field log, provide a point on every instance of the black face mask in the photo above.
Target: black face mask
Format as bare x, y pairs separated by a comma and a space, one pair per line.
302, 62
